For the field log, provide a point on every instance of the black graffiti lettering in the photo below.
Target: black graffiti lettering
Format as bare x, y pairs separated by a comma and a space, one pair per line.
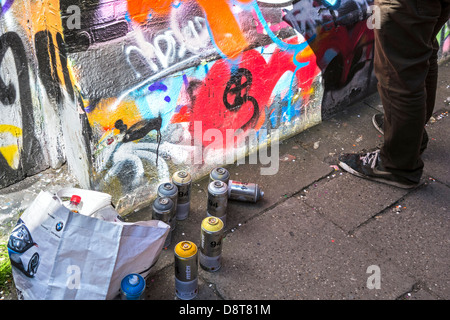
237, 89
236, 94
46, 57
140, 129
65, 70
48, 64
31, 156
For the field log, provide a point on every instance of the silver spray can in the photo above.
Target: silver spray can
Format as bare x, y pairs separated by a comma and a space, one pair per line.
211, 244
217, 200
219, 173
163, 210
244, 191
169, 190
186, 270
183, 181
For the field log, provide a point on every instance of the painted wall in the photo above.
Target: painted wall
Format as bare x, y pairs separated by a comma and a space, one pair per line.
129, 91
39, 125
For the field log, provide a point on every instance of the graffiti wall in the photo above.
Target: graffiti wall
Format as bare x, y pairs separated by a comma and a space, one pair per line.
443, 39
129, 91
39, 126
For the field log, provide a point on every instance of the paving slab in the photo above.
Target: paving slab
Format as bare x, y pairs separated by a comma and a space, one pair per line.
293, 175
292, 252
416, 237
349, 131
350, 201
437, 156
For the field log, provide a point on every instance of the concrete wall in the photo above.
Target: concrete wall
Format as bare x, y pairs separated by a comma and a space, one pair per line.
129, 91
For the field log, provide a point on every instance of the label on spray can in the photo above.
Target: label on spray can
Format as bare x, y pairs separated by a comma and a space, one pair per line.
183, 181
244, 191
186, 270
211, 243
163, 210
217, 200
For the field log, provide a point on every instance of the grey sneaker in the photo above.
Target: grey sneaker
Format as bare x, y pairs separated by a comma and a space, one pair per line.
378, 120
368, 166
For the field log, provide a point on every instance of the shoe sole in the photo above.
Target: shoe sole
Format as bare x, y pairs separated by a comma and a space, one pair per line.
349, 169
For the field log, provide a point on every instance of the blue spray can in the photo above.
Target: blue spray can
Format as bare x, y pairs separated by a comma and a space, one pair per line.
132, 287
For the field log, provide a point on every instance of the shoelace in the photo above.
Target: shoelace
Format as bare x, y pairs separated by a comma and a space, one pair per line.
370, 158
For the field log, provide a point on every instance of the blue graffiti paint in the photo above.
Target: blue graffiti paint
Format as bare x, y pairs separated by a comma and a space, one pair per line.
157, 86
5, 7
127, 17
185, 81
331, 4
176, 6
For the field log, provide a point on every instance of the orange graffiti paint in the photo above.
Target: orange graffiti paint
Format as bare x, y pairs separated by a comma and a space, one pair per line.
225, 30
224, 27
139, 10
105, 116
46, 16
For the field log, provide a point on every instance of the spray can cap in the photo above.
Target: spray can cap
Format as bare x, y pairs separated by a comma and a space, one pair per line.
134, 280
133, 285
75, 199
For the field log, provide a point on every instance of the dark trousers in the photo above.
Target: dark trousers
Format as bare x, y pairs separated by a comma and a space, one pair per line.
406, 68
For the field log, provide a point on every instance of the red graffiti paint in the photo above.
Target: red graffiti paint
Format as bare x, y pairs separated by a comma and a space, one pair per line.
344, 42
237, 100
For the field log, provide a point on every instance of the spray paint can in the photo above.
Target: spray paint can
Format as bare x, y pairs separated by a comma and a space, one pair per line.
211, 243
169, 190
183, 181
217, 200
219, 173
132, 287
243, 191
163, 210
186, 270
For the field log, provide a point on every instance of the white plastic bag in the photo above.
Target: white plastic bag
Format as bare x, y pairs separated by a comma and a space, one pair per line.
60, 255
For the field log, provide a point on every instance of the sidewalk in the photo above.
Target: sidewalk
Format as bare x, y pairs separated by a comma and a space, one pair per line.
318, 229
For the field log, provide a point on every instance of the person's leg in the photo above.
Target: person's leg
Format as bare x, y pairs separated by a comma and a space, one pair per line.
403, 49
403, 56
432, 76
430, 82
